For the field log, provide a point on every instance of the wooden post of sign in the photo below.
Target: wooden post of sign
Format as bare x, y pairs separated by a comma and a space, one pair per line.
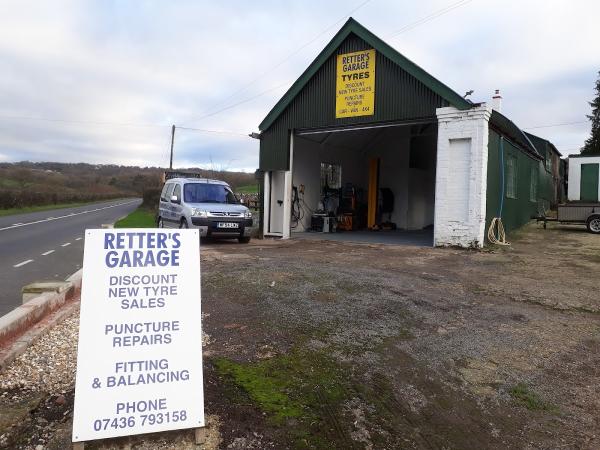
78, 445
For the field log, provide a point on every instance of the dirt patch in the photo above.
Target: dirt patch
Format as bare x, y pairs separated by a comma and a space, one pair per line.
340, 345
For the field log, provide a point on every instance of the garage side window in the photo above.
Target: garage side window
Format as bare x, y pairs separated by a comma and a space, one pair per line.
533, 184
170, 192
511, 176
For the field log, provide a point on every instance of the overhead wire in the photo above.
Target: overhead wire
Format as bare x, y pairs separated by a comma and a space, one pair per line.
567, 151
203, 130
122, 124
412, 25
556, 125
280, 63
242, 101
82, 122
407, 27
206, 130
125, 124
430, 17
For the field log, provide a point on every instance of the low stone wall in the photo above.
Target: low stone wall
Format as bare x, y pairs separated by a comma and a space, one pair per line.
23, 317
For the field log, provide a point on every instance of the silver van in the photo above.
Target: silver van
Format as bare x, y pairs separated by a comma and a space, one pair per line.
209, 205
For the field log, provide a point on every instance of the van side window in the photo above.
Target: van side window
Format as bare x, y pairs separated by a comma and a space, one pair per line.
177, 191
163, 194
169, 192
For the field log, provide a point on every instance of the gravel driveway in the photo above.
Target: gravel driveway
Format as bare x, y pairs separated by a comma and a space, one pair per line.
314, 344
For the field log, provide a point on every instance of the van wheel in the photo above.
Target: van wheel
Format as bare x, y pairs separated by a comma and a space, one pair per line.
593, 224
160, 223
244, 239
183, 223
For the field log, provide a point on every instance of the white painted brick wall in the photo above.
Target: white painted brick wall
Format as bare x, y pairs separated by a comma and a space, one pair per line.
462, 152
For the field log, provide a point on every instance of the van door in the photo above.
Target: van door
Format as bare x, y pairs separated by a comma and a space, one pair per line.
162, 204
166, 213
176, 207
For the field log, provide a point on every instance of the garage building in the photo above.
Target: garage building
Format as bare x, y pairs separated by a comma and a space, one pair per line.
366, 139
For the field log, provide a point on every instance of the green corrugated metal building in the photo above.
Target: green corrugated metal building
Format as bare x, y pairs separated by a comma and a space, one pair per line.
363, 121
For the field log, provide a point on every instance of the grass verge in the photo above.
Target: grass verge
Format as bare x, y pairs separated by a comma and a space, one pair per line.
140, 218
31, 209
248, 189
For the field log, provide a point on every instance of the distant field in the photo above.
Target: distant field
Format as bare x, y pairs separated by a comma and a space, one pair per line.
247, 189
30, 209
8, 183
140, 218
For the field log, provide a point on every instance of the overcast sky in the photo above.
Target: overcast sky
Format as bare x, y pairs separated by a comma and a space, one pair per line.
110, 77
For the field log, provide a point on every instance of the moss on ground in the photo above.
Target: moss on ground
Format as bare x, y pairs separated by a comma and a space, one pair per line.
532, 401
300, 391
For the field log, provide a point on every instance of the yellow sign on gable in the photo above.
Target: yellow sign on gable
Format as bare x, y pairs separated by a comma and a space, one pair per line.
355, 84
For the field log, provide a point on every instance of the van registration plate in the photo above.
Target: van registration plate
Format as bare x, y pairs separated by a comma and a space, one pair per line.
227, 225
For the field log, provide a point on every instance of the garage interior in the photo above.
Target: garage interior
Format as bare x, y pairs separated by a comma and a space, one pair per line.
367, 146
349, 182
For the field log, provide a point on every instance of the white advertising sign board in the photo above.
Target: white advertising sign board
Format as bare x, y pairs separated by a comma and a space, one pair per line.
139, 360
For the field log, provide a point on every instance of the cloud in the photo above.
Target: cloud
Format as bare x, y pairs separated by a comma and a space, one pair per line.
158, 63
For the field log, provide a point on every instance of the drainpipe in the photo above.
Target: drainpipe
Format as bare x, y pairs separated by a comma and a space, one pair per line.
502, 176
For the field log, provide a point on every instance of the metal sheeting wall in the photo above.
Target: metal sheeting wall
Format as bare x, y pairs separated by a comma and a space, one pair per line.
543, 147
398, 96
516, 211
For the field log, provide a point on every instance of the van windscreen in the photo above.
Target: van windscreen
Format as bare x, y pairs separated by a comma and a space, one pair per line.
208, 193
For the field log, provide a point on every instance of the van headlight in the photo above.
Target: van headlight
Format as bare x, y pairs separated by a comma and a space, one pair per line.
199, 212
248, 215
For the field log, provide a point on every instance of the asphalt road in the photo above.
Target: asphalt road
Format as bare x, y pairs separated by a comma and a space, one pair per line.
48, 245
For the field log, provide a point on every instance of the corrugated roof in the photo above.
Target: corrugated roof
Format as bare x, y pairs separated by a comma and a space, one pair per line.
542, 142
509, 129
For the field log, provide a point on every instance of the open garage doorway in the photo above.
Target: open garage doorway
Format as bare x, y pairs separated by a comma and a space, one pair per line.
365, 184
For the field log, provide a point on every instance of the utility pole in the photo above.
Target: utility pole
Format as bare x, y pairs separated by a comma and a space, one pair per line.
172, 139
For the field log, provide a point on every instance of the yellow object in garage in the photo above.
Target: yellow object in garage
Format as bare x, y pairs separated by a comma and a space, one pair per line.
373, 186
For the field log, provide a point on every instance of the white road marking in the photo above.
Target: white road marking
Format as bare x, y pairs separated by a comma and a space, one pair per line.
66, 244
47, 253
23, 263
67, 215
17, 224
78, 239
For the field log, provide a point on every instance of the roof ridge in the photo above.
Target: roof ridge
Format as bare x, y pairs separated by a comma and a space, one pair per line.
353, 26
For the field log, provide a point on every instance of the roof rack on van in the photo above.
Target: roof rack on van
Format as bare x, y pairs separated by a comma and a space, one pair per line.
170, 174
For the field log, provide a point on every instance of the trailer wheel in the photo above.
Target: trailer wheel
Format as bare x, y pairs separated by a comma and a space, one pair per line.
593, 224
